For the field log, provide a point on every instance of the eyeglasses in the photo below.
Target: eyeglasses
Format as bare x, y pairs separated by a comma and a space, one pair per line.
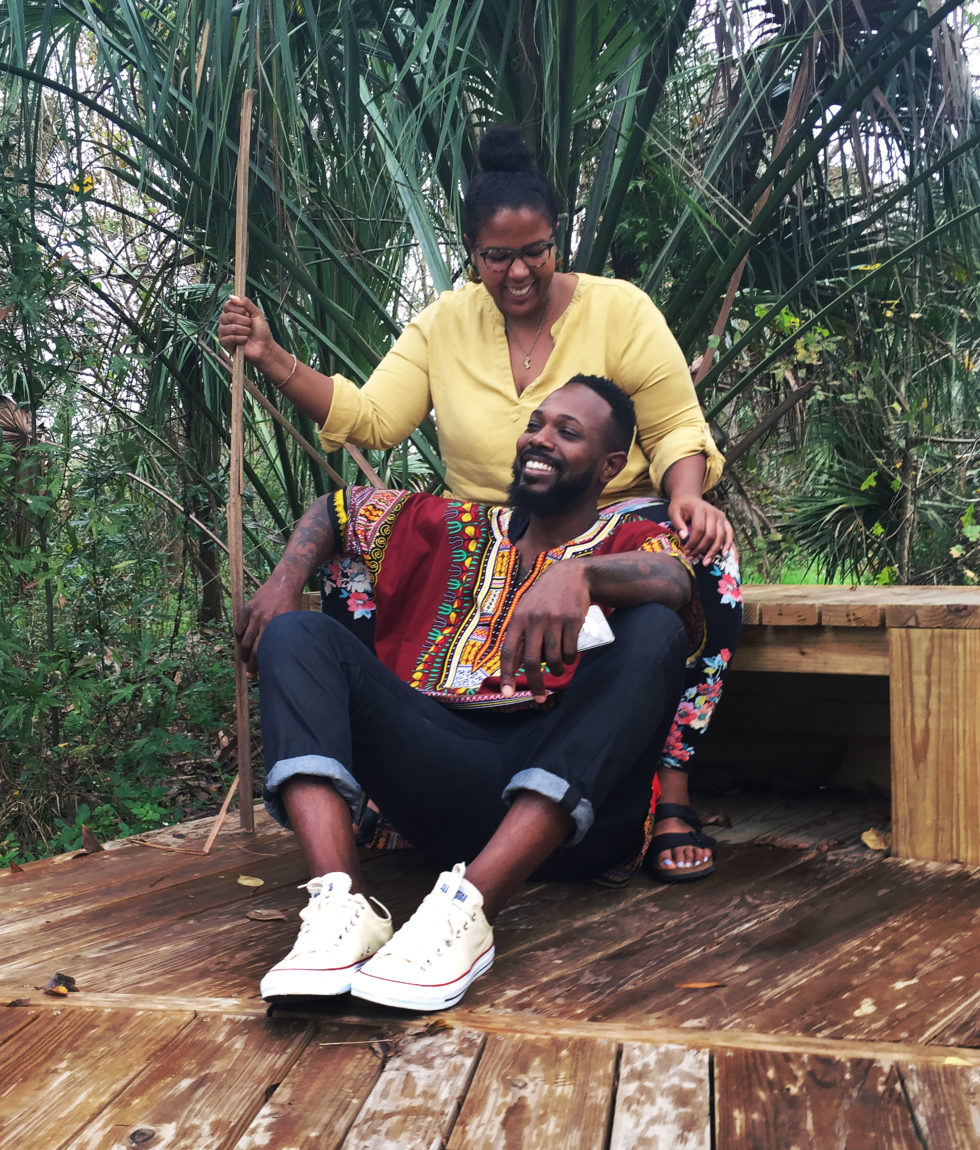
531, 255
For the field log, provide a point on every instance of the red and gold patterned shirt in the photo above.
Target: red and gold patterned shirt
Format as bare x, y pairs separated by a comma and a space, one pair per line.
445, 582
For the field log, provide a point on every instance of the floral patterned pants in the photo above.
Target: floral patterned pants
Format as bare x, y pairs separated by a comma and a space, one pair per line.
720, 589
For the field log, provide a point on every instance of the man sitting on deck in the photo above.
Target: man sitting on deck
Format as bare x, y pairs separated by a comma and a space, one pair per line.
477, 728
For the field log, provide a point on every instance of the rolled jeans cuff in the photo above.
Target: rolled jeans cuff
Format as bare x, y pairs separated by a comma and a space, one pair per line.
560, 791
319, 766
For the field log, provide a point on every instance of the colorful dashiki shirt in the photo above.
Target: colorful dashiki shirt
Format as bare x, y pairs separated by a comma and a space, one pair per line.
445, 581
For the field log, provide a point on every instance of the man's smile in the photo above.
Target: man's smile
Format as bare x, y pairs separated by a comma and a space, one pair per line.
532, 465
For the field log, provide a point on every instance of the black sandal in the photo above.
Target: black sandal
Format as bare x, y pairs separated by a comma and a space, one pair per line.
667, 840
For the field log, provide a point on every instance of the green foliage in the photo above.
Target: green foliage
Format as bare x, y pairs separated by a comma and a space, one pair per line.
876, 478
109, 695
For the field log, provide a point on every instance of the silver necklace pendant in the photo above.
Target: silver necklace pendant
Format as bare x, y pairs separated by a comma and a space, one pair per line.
537, 336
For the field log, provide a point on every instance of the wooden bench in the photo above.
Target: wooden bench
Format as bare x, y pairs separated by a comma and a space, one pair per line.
926, 642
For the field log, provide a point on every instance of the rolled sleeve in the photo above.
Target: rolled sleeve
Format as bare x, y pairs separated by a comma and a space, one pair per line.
691, 439
669, 419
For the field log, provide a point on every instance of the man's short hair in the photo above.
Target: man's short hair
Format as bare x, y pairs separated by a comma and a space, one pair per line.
622, 416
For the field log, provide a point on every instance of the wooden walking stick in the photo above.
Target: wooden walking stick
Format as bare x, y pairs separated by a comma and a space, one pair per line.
236, 471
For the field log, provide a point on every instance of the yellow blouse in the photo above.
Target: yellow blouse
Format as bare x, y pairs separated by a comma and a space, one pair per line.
453, 359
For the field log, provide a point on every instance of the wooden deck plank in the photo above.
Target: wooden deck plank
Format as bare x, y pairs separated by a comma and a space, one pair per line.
784, 821
947, 608
710, 1039
60, 1072
316, 1105
80, 882
962, 1027
626, 965
418, 1094
859, 981
201, 1090
790, 613
945, 1101
802, 938
14, 1018
925, 607
535, 946
852, 614
777, 603
802, 1103
537, 1093
81, 939
212, 948
663, 1101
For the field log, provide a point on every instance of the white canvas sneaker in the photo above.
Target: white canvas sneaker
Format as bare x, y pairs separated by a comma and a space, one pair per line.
434, 957
339, 934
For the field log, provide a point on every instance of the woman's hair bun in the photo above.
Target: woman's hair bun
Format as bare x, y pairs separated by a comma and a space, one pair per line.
502, 149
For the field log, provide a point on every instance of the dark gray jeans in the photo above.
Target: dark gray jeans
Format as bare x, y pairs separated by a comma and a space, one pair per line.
445, 777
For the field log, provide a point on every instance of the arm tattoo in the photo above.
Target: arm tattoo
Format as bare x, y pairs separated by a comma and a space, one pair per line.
312, 542
655, 577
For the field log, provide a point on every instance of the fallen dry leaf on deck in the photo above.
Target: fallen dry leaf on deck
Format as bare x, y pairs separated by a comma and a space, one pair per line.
266, 915
15, 869
90, 844
248, 880
699, 985
19, 1002
877, 840
717, 820
791, 843
381, 1050
59, 984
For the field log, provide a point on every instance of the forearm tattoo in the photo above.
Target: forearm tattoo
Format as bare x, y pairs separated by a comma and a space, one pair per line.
662, 578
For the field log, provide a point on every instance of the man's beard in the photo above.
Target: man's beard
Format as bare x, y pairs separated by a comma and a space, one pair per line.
559, 497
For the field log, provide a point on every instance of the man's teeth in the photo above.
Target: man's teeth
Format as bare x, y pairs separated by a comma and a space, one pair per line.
538, 465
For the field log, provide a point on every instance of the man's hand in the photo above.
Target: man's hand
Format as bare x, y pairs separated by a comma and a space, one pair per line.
545, 626
702, 528
275, 597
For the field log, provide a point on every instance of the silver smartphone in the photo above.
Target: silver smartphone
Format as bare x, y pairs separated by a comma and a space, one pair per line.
596, 631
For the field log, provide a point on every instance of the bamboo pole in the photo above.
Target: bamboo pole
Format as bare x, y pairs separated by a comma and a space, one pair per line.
236, 469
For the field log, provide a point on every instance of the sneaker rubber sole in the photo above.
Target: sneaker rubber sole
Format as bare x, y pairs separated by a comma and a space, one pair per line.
416, 996
308, 983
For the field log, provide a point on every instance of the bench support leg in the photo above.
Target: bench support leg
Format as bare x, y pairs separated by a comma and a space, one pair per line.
935, 744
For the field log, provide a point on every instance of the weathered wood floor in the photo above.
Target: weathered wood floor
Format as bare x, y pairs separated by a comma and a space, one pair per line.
812, 994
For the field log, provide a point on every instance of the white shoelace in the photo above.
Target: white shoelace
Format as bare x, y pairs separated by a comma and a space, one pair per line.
326, 919
440, 915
